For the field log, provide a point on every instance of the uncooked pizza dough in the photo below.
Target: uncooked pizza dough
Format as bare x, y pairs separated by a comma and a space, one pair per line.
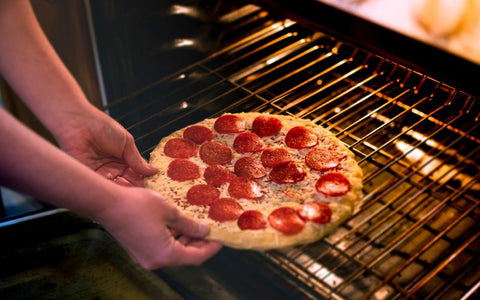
259, 181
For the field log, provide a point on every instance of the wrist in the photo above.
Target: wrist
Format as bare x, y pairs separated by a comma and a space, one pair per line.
116, 211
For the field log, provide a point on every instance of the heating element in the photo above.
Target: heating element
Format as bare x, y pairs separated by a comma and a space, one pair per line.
417, 140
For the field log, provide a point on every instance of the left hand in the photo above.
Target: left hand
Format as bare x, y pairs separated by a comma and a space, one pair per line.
99, 142
145, 224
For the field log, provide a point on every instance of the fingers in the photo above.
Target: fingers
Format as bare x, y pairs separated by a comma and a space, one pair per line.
121, 174
194, 253
187, 226
196, 243
122, 181
190, 248
135, 161
150, 239
178, 254
133, 178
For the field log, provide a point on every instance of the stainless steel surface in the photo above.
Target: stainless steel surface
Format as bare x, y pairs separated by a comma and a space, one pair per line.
28, 217
416, 139
64, 256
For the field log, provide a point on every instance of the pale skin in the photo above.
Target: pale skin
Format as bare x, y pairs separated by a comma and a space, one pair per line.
99, 171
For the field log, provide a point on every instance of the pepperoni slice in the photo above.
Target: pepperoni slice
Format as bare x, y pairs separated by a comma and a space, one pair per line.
266, 126
272, 157
202, 194
286, 220
198, 134
180, 148
225, 209
183, 170
248, 142
322, 159
229, 124
300, 137
316, 212
333, 184
215, 153
288, 172
252, 219
217, 175
245, 188
249, 167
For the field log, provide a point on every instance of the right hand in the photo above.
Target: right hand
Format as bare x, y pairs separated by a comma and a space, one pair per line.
144, 223
99, 142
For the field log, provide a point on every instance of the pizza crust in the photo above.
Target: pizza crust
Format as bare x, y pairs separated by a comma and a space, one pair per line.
275, 196
271, 239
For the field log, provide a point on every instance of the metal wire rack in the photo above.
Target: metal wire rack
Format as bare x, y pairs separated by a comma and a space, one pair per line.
417, 140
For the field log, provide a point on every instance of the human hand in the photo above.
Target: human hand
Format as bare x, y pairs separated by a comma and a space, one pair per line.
99, 142
145, 224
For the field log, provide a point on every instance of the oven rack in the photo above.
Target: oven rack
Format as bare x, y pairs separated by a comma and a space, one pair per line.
416, 139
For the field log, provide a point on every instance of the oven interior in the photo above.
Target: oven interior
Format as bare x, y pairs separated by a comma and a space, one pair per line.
416, 138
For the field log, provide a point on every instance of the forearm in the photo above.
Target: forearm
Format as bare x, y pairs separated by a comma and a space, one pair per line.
30, 164
33, 69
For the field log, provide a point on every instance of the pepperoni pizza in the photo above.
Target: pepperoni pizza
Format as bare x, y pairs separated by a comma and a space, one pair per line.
260, 181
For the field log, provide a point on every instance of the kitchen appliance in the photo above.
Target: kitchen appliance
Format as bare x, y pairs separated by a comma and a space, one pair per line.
408, 110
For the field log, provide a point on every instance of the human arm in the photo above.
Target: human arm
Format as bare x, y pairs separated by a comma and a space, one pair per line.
139, 219
32, 68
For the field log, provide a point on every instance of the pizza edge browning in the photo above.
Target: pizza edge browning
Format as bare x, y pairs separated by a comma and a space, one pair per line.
230, 235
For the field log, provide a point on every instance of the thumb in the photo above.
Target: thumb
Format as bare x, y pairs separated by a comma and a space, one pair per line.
189, 227
135, 161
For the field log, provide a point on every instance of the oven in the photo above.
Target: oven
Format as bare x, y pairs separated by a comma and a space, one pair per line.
409, 111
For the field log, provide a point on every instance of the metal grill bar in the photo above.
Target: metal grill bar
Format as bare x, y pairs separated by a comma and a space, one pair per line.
379, 224
431, 274
371, 229
416, 139
212, 72
392, 214
258, 35
401, 238
292, 90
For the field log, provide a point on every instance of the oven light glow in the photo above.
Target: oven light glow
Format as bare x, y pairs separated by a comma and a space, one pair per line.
384, 293
276, 25
183, 42
183, 10
271, 60
288, 23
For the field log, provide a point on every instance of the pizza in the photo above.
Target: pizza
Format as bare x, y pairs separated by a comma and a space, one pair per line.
260, 181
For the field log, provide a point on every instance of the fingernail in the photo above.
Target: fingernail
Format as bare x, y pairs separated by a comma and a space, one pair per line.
203, 229
152, 167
